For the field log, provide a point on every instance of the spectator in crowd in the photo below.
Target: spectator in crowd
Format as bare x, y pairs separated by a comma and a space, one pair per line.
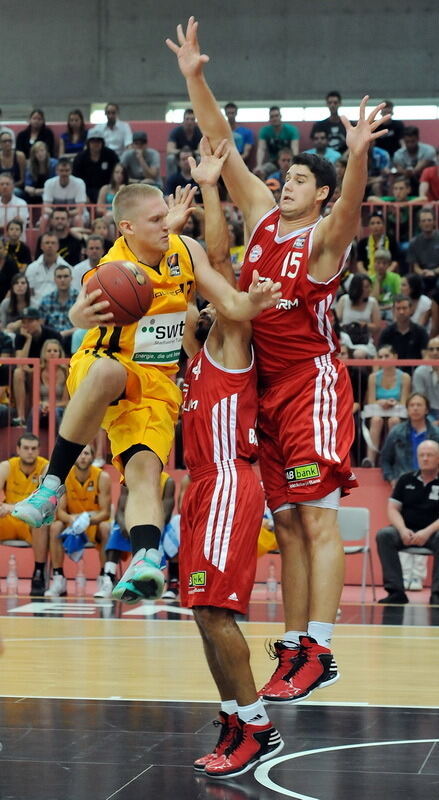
332, 125
41, 169
426, 379
55, 306
187, 135
7, 350
194, 225
434, 331
28, 344
378, 239
72, 141
36, 131
11, 206
429, 183
141, 162
386, 285
398, 218
340, 169
244, 138
119, 177
117, 134
412, 158
406, 338
359, 316
275, 188
12, 162
378, 170
64, 189
94, 252
7, 270
17, 250
69, 245
84, 508
20, 475
51, 349
284, 161
5, 129
414, 522
95, 164
273, 138
387, 391
236, 245
398, 454
100, 227
12, 307
423, 252
321, 147
393, 139
412, 286
183, 175
41, 272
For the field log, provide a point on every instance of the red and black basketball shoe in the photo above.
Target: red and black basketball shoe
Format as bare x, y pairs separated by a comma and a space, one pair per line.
285, 656
310, 668
252, 744
229, 726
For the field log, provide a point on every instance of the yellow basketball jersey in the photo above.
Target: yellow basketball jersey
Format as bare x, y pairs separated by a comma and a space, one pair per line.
82, 496
156, 338
18, 485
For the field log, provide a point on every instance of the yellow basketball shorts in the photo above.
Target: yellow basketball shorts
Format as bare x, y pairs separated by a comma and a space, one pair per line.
146, 413
13, 528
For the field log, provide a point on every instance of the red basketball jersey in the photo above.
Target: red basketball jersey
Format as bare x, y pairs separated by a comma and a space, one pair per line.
219, 413
298, 328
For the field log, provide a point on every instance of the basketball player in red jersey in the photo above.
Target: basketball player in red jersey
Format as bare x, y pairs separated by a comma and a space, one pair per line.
305, 406
219, 528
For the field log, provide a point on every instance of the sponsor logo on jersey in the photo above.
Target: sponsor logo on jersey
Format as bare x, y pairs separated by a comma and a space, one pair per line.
90, 486
252, 438
299, 242
255, 253
303, 472
286, 305
269, 228
197, 578
234, 597
174, 266
158, 339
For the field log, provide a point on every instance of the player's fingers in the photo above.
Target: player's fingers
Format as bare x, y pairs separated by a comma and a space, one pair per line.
221, 149
373, 113
96, 307
205, 148
377, 122
255, 277
92, 296
363, 105
180, 35
346, 122
172, 46
378, 134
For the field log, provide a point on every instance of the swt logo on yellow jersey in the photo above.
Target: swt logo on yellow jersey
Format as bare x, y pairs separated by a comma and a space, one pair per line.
158, 339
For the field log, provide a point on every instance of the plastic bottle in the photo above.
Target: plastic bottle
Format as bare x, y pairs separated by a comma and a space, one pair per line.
271, 583
12, 578
80, 580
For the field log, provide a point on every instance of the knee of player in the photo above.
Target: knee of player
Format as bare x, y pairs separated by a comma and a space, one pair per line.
209, 619
107, 378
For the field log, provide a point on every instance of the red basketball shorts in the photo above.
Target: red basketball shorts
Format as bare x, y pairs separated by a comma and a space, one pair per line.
305, 432
220, 523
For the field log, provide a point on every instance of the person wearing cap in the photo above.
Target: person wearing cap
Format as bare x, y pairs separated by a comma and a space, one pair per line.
95, 164
142, 162
117, 134
386, 285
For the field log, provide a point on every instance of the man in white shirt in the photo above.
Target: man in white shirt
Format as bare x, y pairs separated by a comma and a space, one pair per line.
41, 273
65, 190
11, 206
95, 250
117, 134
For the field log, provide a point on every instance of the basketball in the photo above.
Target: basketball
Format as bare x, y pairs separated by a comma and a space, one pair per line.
126, 287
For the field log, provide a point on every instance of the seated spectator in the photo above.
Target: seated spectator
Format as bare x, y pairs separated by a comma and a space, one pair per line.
66, 190
378, 169
244, 138
412, 158
387, 391
332, 125
340, 169
117, 134
101, 228
393, 139
94, 252
36, 131
12, 162
119, 177
284, 162
359, 317
406, 338
414, 522
12, 307
273, 138
429, 184
398, 217
40, 169
412, 286
95, 164
236, 246
183, 176
386, 285
17, 250
72, 141
55, 306
142, 163
398, 454
11, 206
426, 379
41, 272
321, 147
69, 244
51, 349
378, 239
18, 477
187, 135
84, 508
7, 270
5, 129
423, 252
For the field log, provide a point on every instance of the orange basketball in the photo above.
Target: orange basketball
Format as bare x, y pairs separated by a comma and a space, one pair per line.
127, 288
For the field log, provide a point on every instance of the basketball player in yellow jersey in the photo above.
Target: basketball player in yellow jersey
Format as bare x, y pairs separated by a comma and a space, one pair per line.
19, 476
86, 505
122, 376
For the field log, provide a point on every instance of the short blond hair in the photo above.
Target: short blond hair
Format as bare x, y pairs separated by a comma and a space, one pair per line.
129, 196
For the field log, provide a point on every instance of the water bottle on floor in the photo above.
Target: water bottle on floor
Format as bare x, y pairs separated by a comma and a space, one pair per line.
271, 583
80, 580
12, 578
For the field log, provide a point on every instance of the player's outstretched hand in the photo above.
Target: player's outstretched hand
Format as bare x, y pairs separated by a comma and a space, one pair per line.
360, 136
208, 171
180, 207
190, 60
265, 293
88, 311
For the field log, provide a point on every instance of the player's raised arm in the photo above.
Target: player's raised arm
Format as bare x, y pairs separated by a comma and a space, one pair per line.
247, 191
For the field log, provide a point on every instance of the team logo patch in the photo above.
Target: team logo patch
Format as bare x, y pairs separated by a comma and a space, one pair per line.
138, 274
197, 578
174, 266
299, 242
255, 253
303, 472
